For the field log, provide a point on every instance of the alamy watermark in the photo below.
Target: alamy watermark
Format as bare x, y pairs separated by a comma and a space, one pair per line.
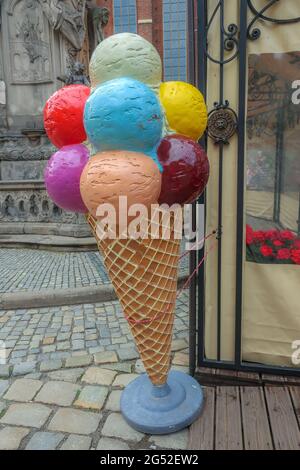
296, 93
138, 221
296, 352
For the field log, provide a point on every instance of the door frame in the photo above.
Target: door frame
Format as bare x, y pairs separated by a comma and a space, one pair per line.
233, 38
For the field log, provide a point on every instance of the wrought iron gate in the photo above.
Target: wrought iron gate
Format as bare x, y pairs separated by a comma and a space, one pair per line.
224, 122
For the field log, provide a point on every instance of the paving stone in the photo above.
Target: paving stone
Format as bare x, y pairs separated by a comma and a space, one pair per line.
77, 443
47, 366
4, 370
63, 346
10, 344
65, 329
120, 367
24, 368
75, 421
78, 329
63, 336
91, 344
67, 375
105, 357
26, 414
91, 337
23, 390
178, 344
3, 386
92, 397
2, 407
48, 340
127, 354
116, 426
123, 380
18, 354
34, 376
106, 443
44, 441
78, 353
113, 402
11, 437
77, 344
49, 349
181, 359
119, 341
57, 393
99, 376
58, 355
28, 332
178, 440
79, 361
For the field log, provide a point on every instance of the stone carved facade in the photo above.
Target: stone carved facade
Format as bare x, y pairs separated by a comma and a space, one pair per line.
29, 43
18, 147
31, 204
68, 17
40, 40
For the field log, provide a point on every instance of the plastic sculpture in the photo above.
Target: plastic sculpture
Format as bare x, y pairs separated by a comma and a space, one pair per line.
143, 135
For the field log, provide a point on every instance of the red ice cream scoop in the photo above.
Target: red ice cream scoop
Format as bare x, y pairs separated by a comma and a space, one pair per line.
63, 115
185, 169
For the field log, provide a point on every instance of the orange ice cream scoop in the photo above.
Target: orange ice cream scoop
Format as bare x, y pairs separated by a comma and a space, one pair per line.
109, 175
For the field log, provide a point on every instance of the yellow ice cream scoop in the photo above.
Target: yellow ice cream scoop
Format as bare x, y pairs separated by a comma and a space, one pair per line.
185, 108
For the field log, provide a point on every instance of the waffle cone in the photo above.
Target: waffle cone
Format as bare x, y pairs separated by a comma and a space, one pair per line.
144, 275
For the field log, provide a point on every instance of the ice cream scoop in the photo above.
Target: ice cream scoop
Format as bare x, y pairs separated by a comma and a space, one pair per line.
63, 115
126, 55
123, 114
109, 175
185, 108
62, 177
185, 169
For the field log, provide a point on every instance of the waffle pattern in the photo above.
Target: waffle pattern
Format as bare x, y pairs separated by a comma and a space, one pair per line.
144, 275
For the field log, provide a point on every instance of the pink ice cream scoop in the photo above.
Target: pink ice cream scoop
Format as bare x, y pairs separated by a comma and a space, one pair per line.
62, 177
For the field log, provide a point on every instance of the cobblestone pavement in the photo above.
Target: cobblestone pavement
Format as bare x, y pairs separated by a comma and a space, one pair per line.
76, 406
25, 270
65, 367
55, 333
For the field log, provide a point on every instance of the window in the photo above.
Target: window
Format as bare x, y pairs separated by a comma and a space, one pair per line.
125, 16
175, 43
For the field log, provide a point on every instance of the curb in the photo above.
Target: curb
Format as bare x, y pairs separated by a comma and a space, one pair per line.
48, 243
58, 298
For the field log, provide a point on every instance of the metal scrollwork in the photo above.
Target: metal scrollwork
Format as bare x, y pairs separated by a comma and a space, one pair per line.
255, 33
229, 36
222, 123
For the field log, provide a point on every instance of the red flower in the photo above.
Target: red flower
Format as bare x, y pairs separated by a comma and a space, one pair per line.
249, 235
284, 253
295, 256
287, 235
259, 236
272, 234
278, 243
266, 251
297, 243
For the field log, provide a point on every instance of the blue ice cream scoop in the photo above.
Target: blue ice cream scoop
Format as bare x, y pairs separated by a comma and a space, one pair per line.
123, 114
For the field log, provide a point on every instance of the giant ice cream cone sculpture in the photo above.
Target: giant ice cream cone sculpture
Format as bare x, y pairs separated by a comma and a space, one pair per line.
135, 159
144, 275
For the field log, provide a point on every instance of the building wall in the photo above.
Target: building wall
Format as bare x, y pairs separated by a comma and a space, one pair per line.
162, 22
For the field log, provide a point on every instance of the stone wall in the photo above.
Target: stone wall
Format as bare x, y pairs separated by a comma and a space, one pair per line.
39, 41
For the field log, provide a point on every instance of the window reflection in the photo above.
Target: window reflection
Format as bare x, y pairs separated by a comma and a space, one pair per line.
273, 160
